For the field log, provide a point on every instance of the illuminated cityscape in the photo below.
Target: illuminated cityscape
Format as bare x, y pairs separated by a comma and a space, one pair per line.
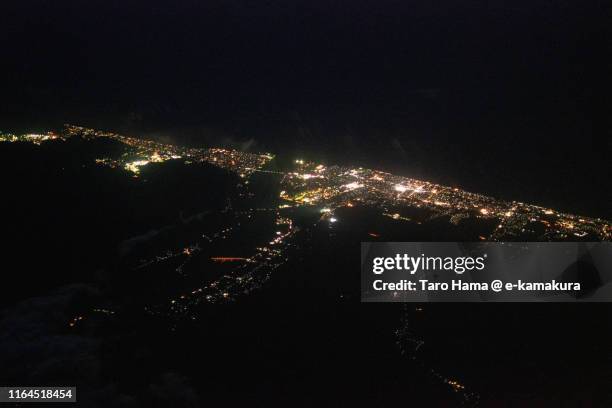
34, 138
323, 192
306, 204
145, 151
326, 190
333, 187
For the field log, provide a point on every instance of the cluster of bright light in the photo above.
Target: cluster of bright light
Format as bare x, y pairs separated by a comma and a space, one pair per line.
334, 187
353, 186
35, 138
341, 187
135, 166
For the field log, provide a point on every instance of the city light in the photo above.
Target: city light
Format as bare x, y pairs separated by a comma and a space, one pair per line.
330, 188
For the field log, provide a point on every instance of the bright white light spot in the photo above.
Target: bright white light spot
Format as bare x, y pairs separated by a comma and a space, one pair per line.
332, 219
400, 188
325, 210
352, 186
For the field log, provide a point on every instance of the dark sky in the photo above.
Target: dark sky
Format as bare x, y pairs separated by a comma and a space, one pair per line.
421, 87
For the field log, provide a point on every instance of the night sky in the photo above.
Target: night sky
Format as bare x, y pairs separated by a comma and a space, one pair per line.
505, 98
